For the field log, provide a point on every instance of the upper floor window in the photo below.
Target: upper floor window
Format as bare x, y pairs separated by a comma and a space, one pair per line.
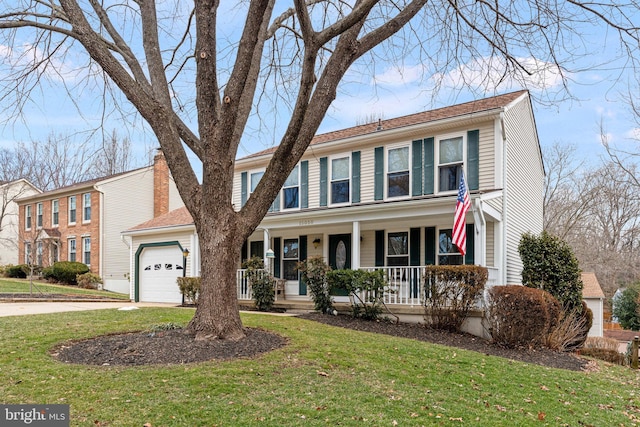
255, 179
27, 217
72, 209
448, 252
86, 250
86, 205
398, 248
72, 250
340, 180
39, 215
450, 161
291, 190
55, 213
398, 182
290, 259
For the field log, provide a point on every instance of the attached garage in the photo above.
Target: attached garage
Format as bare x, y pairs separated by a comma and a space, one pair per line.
158, 269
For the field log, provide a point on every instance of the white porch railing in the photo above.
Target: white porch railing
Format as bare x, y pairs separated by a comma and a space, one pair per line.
404, 284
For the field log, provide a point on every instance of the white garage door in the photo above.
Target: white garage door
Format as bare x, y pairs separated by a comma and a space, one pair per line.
159, 268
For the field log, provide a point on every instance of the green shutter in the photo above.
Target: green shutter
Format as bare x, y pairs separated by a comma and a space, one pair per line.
324, 170
245, 251
414, 246
428, 166
355, 177
416, 179
379, 248
276, 261
378, 178
304, 184
243, 189
430, 245
473, 159
302, 254
471, 238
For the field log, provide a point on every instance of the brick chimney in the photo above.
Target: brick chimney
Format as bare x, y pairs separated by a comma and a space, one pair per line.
160, 184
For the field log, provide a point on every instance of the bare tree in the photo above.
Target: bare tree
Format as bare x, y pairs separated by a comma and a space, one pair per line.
294, 57
114, 156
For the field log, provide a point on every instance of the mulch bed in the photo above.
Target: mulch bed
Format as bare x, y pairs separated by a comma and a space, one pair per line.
175, 347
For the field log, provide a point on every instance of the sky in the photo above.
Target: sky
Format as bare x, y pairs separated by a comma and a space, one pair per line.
596, 98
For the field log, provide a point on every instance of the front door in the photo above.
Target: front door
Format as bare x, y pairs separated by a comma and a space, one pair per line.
340, 256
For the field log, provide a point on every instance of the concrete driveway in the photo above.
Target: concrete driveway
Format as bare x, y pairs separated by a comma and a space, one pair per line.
25, 308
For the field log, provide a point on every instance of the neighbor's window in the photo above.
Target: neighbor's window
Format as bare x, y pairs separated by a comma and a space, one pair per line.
290, 259
86, 204
53, 250
450, 160
398, 172
448, 252
39, 251
291, 190
39, 215
27, 216
398, 249
72, 209
72, 250
340, 180
27, 253
86, 250
55, 213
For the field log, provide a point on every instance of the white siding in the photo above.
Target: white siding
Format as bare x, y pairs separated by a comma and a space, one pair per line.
487, 157
175, 200
490, 246
524, 188
9, 230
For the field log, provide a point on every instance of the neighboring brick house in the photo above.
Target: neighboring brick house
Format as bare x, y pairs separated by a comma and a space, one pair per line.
82, 222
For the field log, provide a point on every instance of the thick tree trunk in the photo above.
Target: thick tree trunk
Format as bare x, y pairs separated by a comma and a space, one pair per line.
217, 315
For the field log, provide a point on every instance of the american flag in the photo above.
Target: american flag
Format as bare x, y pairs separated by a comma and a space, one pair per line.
459, 235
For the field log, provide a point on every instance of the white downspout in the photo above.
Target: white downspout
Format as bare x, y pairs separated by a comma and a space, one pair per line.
102, 232
481, 241
503, 223
131, 263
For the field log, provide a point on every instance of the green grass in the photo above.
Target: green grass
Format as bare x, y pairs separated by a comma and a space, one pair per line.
23, 286
324, 376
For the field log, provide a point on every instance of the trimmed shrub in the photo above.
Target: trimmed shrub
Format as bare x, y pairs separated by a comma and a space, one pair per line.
47, 274
88, 281
68, 271
366, 289
314, 273
626, 308
518, 316
189, 288
549, 263
262, 283
611, 356
16, 271
450, 293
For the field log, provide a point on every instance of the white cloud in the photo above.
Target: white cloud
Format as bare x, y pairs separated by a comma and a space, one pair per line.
400, 75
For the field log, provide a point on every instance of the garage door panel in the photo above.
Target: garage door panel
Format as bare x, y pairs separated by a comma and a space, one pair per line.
159, 269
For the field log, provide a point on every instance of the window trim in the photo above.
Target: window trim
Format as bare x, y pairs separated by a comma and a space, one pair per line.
330, 179
387, 149
402, 256
28, 217
249, 174
85, 252
437, 164
55, 212
74, 210
39, 215
282, 191
73, 249
85, 207
289, 259
439, 254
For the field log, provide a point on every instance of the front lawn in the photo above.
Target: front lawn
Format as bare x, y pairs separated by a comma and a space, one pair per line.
24, 286
324, 376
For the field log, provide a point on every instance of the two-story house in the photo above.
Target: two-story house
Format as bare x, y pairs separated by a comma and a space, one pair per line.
383, 196
82, 222
10, 192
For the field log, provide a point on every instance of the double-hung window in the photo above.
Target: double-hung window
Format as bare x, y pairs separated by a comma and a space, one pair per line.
448, 252
39, 215
72, 209
72, 250
27, 253
27, 217
291, 190
255, 179
55, 213
39, 251
86, 250
290, 259
398, 172
450, 161
340, 183
398, 248
86, 206
53, 250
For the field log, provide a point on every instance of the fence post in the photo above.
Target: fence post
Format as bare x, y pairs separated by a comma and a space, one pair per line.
634, 352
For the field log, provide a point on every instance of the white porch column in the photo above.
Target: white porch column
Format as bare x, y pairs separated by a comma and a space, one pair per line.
480, 229
267, 246
355, 246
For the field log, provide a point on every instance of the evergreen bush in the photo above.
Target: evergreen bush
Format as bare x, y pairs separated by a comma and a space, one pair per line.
262, 283
68, 271
366, 289
16, 271
314, 273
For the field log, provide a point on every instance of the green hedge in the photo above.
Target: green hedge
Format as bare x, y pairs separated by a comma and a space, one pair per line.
67, 271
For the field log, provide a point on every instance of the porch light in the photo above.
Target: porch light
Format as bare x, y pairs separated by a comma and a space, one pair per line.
316, 242
185, 252
270, 254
